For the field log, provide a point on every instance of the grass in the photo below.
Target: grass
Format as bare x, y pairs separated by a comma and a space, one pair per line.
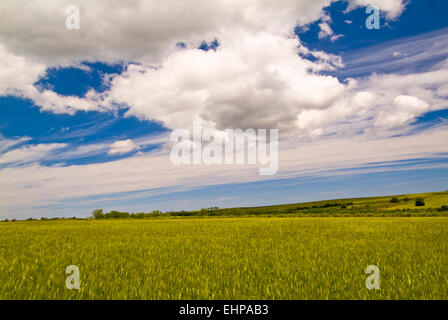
232, 258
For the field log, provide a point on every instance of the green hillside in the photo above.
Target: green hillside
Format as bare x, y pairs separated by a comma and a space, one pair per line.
431, 204
433, 200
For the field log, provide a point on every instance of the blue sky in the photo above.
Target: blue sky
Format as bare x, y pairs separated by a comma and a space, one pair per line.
61, 119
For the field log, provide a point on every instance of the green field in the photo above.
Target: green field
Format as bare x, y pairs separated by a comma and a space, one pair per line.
226, 258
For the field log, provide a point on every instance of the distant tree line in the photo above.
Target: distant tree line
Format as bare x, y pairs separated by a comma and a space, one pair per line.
327, 209
323, 210
99, 214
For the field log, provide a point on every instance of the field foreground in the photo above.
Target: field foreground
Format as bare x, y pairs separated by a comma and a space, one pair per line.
225, 258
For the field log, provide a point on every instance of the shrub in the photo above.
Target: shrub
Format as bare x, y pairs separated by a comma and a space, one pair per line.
420, 202
394, 200
406, 199
443, 208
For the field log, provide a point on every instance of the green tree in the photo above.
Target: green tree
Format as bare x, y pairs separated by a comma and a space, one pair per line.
98, 214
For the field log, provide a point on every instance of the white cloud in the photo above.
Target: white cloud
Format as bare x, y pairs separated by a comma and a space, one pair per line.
29, 153
393, 9
9, 143
406, 109
327, 32
336, 37
122, 147
316, 133
262, 90
410, 55
17, 73
379, 103
18, 76
411, 104
398, 54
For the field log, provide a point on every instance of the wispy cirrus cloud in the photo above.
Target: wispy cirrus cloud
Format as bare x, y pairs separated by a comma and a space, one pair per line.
34, 185
28, 154
6, 144
406, 55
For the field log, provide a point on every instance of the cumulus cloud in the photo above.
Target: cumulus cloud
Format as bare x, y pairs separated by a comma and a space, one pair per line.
406, 109
262, 90
17, 73
266, 78
18, 78
411, 104
381, 102
122, 147
139, 30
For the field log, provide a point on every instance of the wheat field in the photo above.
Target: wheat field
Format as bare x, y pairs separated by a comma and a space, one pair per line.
225, 258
